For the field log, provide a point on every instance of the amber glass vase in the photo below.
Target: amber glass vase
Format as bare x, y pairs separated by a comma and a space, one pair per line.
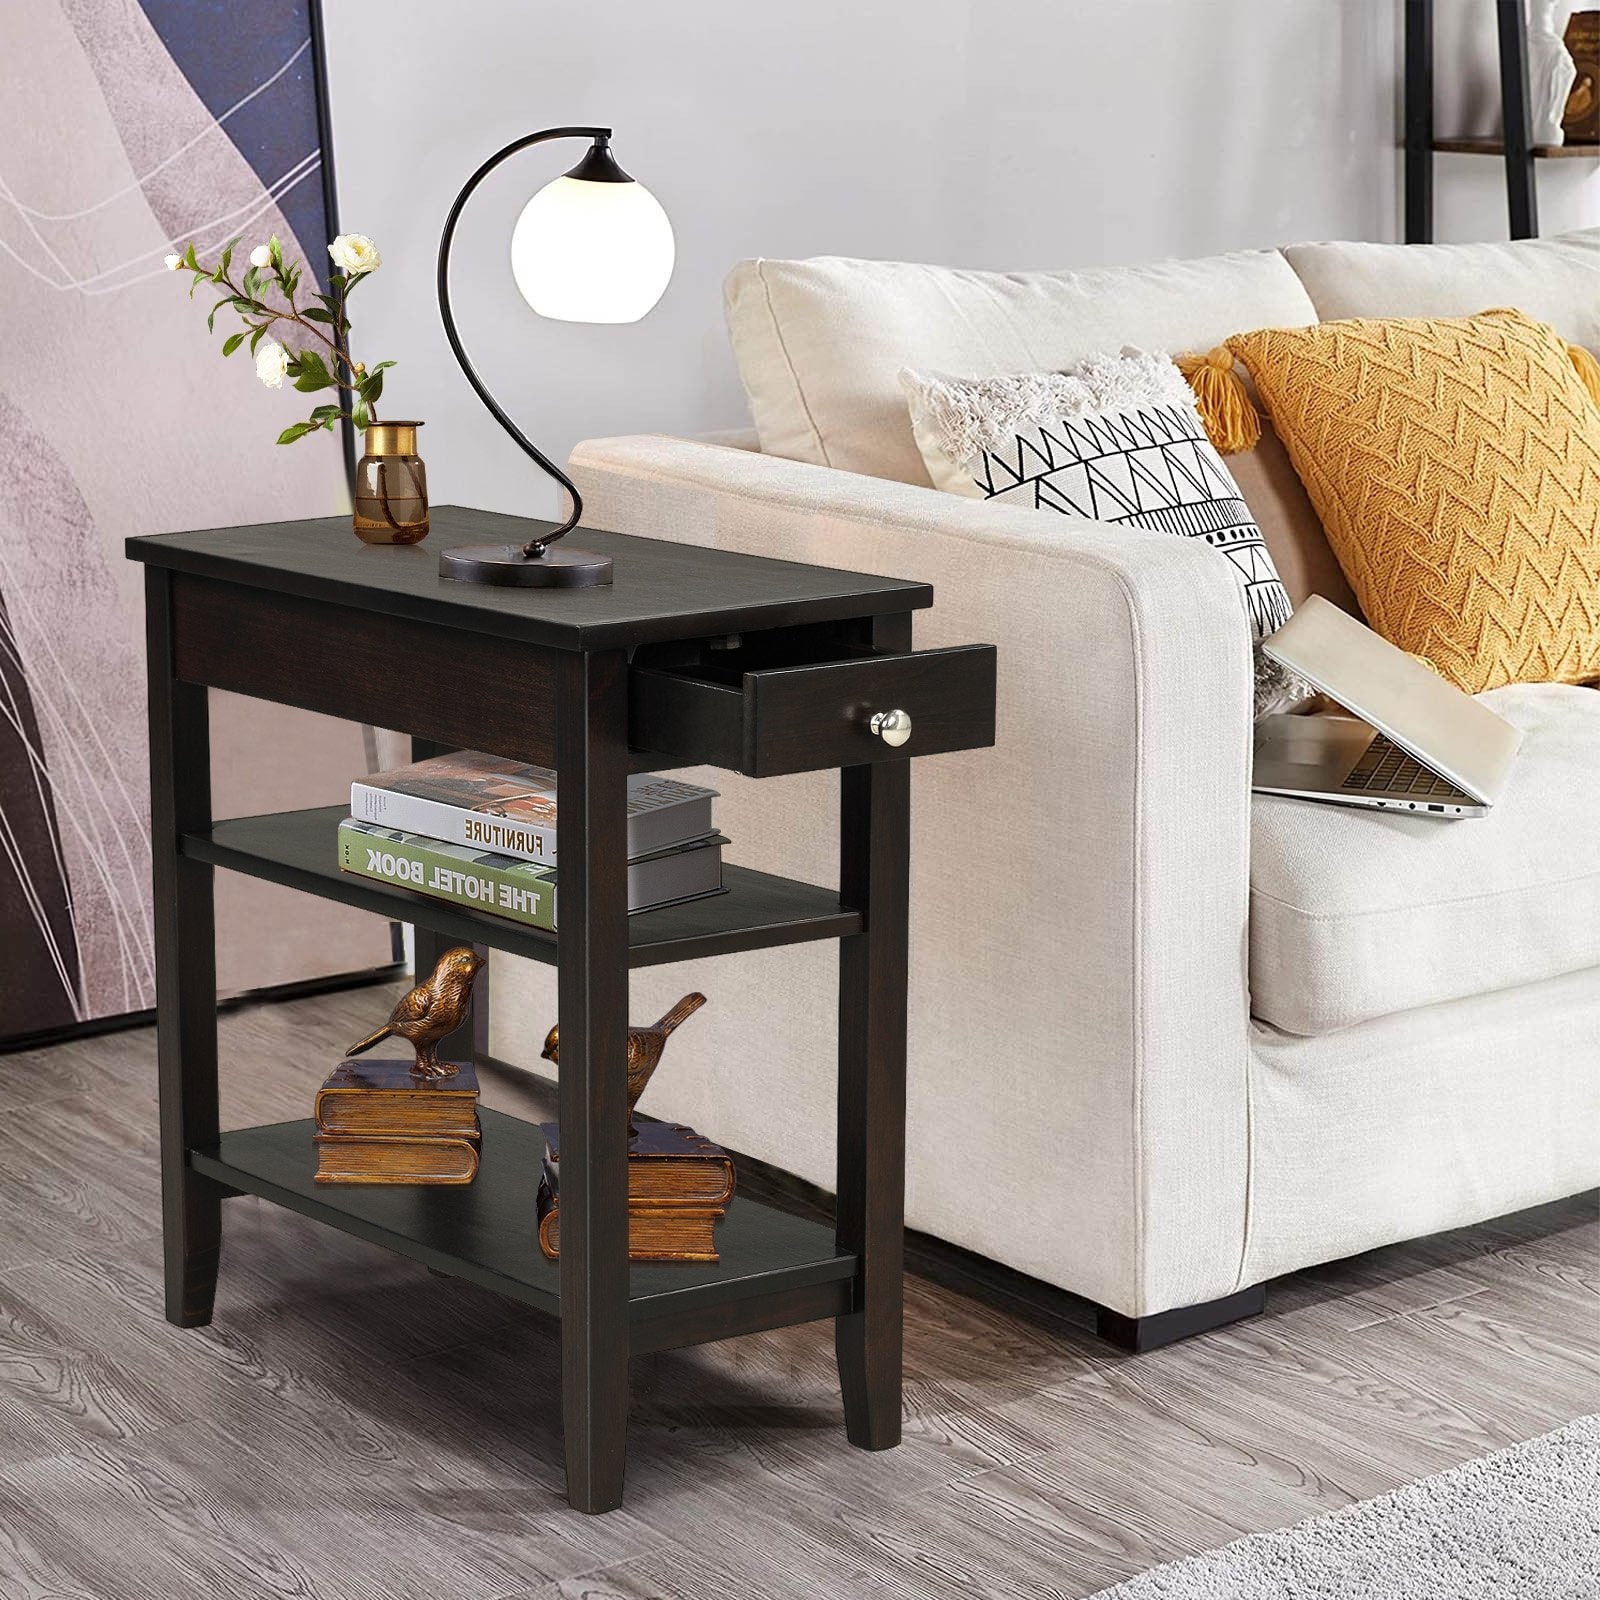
391, 500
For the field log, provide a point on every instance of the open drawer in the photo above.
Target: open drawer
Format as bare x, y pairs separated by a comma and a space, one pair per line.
803, 716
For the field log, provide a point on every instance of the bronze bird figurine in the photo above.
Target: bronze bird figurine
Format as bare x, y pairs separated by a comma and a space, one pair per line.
431, 1011
644, 1048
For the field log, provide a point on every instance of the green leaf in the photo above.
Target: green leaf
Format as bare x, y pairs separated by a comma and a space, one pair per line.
326, 413
359, 413
351, 279
296, 430
316, 314
227, 251
211, 316
255, 338
311, 374
189, 259
370, 387
276, 250
232, 343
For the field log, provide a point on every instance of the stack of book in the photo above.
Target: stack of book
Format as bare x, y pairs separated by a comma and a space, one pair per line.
378, 1123
481, 831
679, 1186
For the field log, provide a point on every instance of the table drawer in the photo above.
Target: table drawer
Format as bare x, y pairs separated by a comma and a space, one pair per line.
800, 718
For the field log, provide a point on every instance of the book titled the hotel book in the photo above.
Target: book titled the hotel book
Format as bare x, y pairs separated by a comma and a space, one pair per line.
489, 803
521, 891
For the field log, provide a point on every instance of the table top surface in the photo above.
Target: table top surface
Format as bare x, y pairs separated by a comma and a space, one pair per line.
660, 591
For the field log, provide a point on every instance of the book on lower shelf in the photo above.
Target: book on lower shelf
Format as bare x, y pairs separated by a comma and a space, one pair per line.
378, 1122
679, 1187
510, 887
490, 803
668, 1233
397, 1158
668, 1164
386, 1097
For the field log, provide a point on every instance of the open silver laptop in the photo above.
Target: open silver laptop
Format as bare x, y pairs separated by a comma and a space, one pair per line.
1412, 743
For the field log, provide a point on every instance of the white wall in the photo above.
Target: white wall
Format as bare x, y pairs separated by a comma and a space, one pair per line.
991, 133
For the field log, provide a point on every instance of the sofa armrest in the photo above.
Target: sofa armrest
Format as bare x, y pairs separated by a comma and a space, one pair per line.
1086, 1013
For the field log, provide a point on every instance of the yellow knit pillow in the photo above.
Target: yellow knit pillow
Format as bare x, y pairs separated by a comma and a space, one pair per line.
1455, 464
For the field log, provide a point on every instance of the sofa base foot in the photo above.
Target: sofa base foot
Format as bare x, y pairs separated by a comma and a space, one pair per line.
1142, 1334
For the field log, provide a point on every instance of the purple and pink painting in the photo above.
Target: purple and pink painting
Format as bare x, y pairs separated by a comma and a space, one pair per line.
127, 130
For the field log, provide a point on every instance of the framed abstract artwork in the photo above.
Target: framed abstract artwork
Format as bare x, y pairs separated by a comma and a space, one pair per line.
128, 130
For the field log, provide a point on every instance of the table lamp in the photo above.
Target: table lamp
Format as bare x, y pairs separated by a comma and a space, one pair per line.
592, 246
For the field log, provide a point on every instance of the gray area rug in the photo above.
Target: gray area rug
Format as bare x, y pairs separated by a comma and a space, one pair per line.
1522, 1524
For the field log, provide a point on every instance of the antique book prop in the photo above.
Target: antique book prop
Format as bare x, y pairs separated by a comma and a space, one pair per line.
679, 1184
414, 1121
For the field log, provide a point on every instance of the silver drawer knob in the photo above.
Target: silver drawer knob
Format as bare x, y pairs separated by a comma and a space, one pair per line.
893, 727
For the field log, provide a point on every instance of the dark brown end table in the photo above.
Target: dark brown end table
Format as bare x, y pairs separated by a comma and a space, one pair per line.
692, 656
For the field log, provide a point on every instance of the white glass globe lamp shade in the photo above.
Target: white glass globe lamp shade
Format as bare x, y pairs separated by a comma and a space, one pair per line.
584, 251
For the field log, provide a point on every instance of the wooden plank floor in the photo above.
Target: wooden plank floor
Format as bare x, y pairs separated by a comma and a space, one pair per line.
353, 1428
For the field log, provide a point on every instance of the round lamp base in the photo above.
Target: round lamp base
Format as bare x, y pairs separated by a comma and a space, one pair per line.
505, 564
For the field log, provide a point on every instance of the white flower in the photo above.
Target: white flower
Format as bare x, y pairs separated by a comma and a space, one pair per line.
174, 262
261, 256
272, 362
355, 252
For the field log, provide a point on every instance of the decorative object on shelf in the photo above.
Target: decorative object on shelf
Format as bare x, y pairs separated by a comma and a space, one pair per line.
391, 496
431, 1012
593, 246
378, 1122
264, 297
679, 1186
644, 1049
1551, 72
1580, 122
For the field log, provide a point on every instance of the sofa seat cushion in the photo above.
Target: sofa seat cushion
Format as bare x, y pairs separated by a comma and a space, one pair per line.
1359, 914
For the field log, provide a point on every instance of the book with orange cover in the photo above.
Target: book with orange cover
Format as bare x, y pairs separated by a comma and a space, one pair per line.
394, 1158
384, 1097
664, 1233
668, 1164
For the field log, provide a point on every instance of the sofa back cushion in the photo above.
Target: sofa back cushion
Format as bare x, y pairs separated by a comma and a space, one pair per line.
1554, 280
820, 343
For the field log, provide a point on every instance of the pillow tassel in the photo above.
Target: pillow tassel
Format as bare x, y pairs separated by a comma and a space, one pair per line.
1224, 404
1588, 370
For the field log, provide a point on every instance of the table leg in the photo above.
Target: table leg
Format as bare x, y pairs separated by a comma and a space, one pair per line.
874, 873
592, 976
186, 970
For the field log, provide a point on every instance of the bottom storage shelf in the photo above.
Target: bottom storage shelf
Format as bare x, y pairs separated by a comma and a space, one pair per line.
776, 1269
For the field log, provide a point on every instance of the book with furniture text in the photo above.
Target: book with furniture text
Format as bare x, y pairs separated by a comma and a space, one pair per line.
490, 803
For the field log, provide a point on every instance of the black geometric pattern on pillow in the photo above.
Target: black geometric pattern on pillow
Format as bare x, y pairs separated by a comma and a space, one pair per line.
1151, 467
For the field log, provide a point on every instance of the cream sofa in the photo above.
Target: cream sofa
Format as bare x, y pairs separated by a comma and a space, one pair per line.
1167, 1041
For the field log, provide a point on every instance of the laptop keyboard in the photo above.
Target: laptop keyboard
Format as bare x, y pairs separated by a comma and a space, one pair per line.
1384, 768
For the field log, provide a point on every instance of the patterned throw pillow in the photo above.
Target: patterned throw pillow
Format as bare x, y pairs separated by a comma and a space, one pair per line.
1455, 463
1116, 439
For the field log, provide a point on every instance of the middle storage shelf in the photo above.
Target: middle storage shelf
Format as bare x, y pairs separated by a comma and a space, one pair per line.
299, 850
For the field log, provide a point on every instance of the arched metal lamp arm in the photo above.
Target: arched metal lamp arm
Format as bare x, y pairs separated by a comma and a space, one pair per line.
535, 547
